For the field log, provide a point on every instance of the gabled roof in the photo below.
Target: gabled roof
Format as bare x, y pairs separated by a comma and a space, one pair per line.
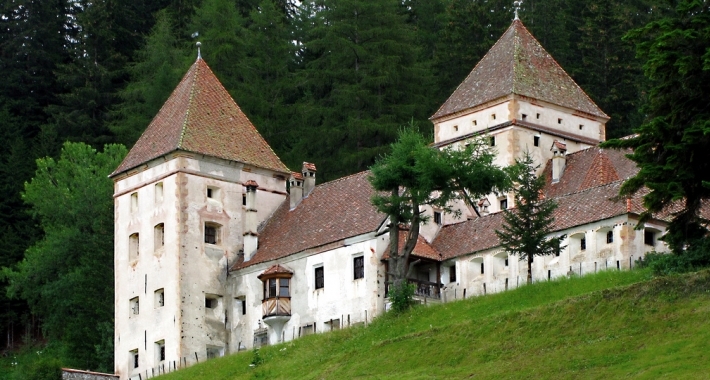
518, 64
590, 168
276, 269
575, 209
332, 212
201, 117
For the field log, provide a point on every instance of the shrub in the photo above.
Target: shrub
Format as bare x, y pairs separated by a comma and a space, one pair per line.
401, 296
695, 257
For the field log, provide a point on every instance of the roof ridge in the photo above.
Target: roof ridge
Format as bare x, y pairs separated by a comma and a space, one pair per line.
183, 129
588, 189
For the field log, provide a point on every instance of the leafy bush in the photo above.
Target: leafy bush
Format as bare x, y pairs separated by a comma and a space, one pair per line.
695, 257
401, 296
43, 369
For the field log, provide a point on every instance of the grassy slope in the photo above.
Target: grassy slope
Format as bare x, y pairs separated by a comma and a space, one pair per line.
609, 325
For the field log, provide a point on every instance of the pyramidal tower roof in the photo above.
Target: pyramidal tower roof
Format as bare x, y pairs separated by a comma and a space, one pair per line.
518, 64
201, 117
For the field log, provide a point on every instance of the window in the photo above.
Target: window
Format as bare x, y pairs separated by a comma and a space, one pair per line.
537, 116
482, 269
525, 116
133, 354
283, 287
358, 267
506, 261
581, 127
583, 243
559, 121
135, 306
456, 128
160, 351
610, 237
319, 278
475, 122
493, 141
536, 140
212, 233
159, 298
158, 236
243, 302
437, 217
649, 237
270, 288
503, 203
244, 199
212, 192
158, 193
209, 192
557, 248
133, 245
214, 352
210, 303
452, 273
134, 202
493, 116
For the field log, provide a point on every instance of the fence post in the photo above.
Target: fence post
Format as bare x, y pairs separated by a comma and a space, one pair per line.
196, 358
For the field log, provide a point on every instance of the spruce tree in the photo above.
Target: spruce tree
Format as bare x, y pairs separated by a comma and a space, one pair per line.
672, 147
527, 227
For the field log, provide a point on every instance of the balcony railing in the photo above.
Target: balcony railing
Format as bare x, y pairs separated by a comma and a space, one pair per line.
277, 306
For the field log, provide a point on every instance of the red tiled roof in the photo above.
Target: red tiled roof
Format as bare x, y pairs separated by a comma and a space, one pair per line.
201, 117
309, 166
251, 183
275, 269
333, 211
421, 249
560, 145
518, 64
590, 168
296, 175
574, 209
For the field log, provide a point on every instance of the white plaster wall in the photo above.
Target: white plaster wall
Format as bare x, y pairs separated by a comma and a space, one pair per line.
341, 297
187, 267
628, 246
550, 114
446, 130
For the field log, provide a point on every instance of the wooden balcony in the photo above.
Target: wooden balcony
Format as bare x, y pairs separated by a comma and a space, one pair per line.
276, 307
423, 288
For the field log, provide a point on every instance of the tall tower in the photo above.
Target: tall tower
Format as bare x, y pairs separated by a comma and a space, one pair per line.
520, 99
180, 213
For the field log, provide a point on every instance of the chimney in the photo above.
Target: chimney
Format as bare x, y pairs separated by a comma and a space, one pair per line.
559, 151
309, 178
295, 189
251, 238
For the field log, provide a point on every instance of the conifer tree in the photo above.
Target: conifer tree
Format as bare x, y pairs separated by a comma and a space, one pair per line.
527, 226
672, 147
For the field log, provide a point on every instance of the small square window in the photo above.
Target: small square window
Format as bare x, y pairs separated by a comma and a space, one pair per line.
212, 231
537, 116
158, 236
158, 193
559, 121
134, 202
358, 267
437, 217
649, 237
536, 140
583, 243
581, 127
210, 303
135, 306
456, 128
133, 354
475, 122
159, 298
493, 116
609, 237
504, 203
525, 116
493, 141
209, 193
452, 273
320, 283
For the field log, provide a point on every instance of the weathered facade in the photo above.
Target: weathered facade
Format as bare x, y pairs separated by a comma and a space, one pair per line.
214, 256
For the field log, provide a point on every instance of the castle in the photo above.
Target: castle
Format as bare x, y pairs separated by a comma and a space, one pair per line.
213, 255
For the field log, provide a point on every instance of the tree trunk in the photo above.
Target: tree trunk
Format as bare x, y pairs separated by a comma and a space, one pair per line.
529, 269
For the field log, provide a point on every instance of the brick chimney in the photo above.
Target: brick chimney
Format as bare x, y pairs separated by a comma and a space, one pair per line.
559, 160
251, 238
295, 189
309, 178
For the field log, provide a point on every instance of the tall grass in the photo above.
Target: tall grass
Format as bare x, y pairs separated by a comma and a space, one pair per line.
608, 325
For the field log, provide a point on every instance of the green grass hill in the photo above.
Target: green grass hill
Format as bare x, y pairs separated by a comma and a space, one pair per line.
604, 326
